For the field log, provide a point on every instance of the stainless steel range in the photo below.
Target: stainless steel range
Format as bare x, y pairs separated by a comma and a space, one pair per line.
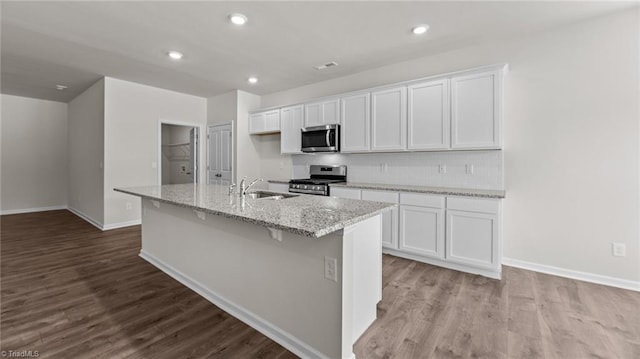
320, 179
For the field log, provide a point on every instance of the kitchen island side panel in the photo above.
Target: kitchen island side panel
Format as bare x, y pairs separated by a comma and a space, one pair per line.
279, 286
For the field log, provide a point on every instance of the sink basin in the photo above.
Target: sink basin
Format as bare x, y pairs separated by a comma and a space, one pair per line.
269, 195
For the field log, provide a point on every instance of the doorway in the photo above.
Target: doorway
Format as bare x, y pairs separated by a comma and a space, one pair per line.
220, 154
179, 154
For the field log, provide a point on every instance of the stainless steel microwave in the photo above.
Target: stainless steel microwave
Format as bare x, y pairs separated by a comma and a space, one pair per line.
324, 138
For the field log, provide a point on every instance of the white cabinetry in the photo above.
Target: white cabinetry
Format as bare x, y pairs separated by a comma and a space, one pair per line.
279, 187
422, 224
354, 132
291, 121
389, 119
476, 110
264, 122
428, 116
342, 192
473, 232
389, 218
322, 113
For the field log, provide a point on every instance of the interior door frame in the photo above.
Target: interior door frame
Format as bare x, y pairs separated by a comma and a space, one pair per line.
199, 173
233, 155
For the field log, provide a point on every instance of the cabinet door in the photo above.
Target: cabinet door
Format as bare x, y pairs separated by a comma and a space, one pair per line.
290, 125
313, 114
472, 239
256, 123
354, 132
342, 192
389, 119
331, 112
272, 121
422, 231
428, 116
476, 110
389, 218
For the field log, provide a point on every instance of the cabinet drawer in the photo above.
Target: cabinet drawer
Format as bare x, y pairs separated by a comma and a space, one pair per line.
480, 205
423, 200
380, 196
342, 192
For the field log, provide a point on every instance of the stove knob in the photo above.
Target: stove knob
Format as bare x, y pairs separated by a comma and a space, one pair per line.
304, 187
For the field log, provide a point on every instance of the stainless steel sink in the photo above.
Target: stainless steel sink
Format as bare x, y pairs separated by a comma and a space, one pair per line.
275, 196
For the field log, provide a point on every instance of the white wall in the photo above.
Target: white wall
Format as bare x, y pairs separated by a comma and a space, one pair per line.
86, 153
34, 154
222, 109
132, 122
571, 138
247, 147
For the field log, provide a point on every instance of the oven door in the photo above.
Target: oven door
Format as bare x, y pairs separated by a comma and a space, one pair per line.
321, 138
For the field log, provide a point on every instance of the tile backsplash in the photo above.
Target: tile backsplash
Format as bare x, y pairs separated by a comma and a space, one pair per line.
414, 168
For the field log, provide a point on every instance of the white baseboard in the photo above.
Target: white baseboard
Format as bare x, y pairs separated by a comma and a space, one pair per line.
30, 210
461, 268
86, 218
573, 274
135, 222
278, 335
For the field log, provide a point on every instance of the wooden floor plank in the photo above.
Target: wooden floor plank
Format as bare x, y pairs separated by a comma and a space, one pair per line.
70, 290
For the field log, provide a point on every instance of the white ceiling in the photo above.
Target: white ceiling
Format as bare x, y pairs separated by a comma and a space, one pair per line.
76, 43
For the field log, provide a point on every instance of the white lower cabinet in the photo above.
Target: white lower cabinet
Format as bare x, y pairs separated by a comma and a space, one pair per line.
422, 224
389, 218
461, 233
473, 232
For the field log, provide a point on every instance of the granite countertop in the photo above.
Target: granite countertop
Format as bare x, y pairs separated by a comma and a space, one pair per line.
285, 181
306, 215
448, 191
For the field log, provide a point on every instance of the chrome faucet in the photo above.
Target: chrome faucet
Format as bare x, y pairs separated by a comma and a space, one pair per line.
243, 189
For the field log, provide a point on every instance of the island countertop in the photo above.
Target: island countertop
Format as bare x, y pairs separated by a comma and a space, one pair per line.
307, 215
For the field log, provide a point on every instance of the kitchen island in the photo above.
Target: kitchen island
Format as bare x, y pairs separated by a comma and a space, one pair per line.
303, 270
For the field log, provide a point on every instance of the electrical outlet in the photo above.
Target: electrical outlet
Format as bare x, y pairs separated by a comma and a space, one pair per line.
619, 249
331, 268
442, 169
468, 169
128, 206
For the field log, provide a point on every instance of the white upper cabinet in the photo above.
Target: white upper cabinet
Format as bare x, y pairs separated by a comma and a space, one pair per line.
428, 115
291, 121
322, 113
476, 110
354, 132
264, 122
389, 119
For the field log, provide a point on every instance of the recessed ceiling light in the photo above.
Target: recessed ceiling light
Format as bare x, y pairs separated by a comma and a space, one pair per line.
252, 80
420, 29
175, 55
61, 87
238, 19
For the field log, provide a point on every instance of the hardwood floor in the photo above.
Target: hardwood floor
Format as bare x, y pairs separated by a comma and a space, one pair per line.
69, 290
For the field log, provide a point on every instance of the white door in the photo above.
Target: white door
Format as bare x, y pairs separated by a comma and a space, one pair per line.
389, 218
354, 133
422, 231
389, 119
313, 114
475, 110
220, 154
331, 112
428, 119
290, 125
